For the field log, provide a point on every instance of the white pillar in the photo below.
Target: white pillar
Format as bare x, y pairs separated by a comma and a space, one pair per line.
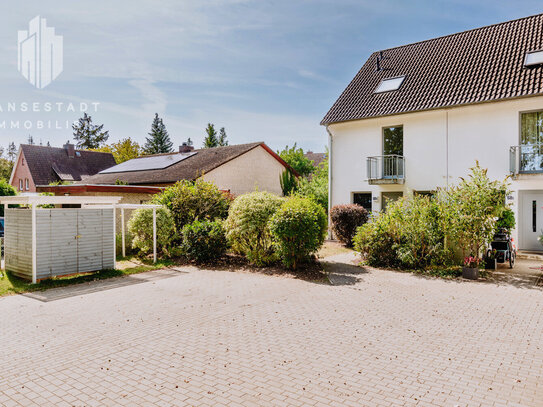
34, 246
114, 237
154, 235
122, 233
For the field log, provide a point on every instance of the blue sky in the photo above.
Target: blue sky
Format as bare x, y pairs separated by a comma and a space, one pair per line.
265, 70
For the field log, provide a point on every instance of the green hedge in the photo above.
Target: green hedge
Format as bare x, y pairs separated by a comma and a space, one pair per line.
203, 241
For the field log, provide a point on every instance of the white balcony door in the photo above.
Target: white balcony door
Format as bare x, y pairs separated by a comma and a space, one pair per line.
530, 220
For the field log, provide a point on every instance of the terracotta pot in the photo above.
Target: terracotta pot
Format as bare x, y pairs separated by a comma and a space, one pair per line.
471, 273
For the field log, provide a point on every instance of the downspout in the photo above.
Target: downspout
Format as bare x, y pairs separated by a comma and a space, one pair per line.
447, 149
330, 179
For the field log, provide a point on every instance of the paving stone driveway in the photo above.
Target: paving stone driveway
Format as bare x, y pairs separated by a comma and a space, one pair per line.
215, 338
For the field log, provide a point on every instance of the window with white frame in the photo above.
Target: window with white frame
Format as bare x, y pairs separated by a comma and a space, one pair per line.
27, 184
20, 185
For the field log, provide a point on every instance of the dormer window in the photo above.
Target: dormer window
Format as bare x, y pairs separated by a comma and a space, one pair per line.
533, 58
389, 84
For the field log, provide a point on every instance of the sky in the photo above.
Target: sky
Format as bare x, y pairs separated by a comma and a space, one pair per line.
265, 70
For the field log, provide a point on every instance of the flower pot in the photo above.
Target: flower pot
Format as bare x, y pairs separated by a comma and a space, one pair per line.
491, 264
471, 273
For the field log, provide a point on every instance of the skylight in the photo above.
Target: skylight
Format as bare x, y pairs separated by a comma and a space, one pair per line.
389, 84
533, 58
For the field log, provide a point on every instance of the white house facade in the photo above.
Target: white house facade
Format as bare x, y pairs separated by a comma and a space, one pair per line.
384, 144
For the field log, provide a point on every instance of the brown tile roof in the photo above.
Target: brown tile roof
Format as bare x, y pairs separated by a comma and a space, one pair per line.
317, 158
190, 168
480, 65
52, 164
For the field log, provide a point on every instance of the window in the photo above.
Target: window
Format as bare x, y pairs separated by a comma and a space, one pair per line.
20, 185
429, 194
27, 184
533, 58
389, 84
362, 199
393, 140
531, 142
389, 197
22, 161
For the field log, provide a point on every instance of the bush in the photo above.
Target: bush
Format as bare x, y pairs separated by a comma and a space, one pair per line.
506, 220
189, 201
298, 229
409, 235
127, 243
345, 220
247, 226
315, 187
140, 227
6, 190
203, 241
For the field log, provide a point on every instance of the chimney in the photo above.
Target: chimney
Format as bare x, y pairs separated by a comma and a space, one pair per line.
70, 149
185, 148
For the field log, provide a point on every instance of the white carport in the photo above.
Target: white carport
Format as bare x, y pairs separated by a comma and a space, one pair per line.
46, 242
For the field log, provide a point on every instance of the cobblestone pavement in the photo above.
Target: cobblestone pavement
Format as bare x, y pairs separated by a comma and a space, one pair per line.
219, 338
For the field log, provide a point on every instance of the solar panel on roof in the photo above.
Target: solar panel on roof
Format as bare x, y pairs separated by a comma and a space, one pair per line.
157, 162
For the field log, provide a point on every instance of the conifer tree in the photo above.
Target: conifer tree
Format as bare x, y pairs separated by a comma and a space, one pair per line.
158, 141
222, 137
88, 135
211, 140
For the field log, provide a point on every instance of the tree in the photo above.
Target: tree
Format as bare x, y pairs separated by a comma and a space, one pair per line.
222, 137
158, 141
472, 208
12, 151
288, 182
211, 139
123, 150
30, 140
6, 167
316, 186
88, 135
295, 157
189, 142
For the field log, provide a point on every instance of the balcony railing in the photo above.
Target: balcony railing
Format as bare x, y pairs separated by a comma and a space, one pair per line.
386, 169
526, 159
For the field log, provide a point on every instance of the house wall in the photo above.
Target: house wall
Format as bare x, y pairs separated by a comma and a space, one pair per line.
256, 169
439, 147
21, 172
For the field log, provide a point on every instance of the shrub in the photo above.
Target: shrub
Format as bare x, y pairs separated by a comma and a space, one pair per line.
409, 235
506, 220
475, 203
140, 227
6, 190
247, 226
127, 243
189, 201
288, 182
345, 220
203, 241
298, 229
315, 187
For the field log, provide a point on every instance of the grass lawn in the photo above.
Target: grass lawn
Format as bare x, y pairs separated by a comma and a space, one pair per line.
9, 284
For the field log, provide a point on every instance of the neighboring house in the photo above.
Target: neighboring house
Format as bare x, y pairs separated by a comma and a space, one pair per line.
237, 169
317, 158
42, 165
418, 116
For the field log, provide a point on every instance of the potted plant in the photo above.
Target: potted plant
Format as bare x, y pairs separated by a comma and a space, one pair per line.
491, 261
471, 268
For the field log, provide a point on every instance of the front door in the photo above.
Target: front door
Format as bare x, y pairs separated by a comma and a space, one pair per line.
531, 220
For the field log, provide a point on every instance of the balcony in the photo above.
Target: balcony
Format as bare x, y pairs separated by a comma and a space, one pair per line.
526, 159
386, 169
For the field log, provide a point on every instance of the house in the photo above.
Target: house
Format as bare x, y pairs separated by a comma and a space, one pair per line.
238, 169
43, 165
317, 158
417, 117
